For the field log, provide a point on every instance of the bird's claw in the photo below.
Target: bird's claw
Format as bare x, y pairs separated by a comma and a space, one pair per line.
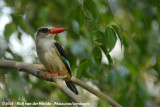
57, 74
45, 75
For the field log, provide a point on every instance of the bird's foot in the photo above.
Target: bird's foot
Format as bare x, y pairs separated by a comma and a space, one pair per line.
45, 75
55, 75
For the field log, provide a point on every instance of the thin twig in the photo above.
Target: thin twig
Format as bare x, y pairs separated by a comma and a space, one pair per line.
87, 24
122, 29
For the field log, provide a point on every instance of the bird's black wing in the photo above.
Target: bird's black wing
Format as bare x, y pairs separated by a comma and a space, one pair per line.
63, 56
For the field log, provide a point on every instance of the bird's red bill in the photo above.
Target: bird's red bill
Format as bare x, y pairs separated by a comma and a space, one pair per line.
57, 30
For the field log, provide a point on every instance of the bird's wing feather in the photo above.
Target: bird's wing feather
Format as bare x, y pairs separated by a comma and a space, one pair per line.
63, 56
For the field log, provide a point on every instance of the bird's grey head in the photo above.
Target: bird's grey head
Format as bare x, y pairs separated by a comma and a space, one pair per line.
48, 31
44, 32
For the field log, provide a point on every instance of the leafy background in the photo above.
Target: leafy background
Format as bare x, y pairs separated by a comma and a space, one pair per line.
112, 46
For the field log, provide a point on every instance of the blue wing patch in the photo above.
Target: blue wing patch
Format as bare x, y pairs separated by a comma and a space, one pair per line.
66, 61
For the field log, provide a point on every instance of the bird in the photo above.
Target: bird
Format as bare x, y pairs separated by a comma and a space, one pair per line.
52, 55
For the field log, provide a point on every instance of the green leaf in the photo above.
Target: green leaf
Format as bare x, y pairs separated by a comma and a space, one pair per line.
91, 7
101, 38
109, 60
111, 38
97, 55
103, 103
104, 46
118, 33
79, 16
87, 74
9, 29
93, 25
83, 69
19, 35
19, 21
86, 70
80, 68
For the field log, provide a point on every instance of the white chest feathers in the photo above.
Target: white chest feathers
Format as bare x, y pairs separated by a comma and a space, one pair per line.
48, 55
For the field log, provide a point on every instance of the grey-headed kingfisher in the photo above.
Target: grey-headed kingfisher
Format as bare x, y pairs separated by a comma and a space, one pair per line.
52, 55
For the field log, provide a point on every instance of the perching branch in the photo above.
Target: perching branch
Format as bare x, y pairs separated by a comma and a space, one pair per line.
34, 69
6, 64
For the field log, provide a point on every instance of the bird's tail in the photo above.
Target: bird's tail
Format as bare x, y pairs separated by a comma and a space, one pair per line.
72, 87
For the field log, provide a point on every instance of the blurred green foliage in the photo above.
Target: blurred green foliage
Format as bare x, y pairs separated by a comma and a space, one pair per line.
94, 27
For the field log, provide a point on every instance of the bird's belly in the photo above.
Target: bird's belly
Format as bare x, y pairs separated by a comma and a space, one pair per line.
51, 60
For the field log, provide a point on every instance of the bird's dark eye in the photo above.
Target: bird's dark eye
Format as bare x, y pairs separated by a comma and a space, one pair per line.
44, 30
